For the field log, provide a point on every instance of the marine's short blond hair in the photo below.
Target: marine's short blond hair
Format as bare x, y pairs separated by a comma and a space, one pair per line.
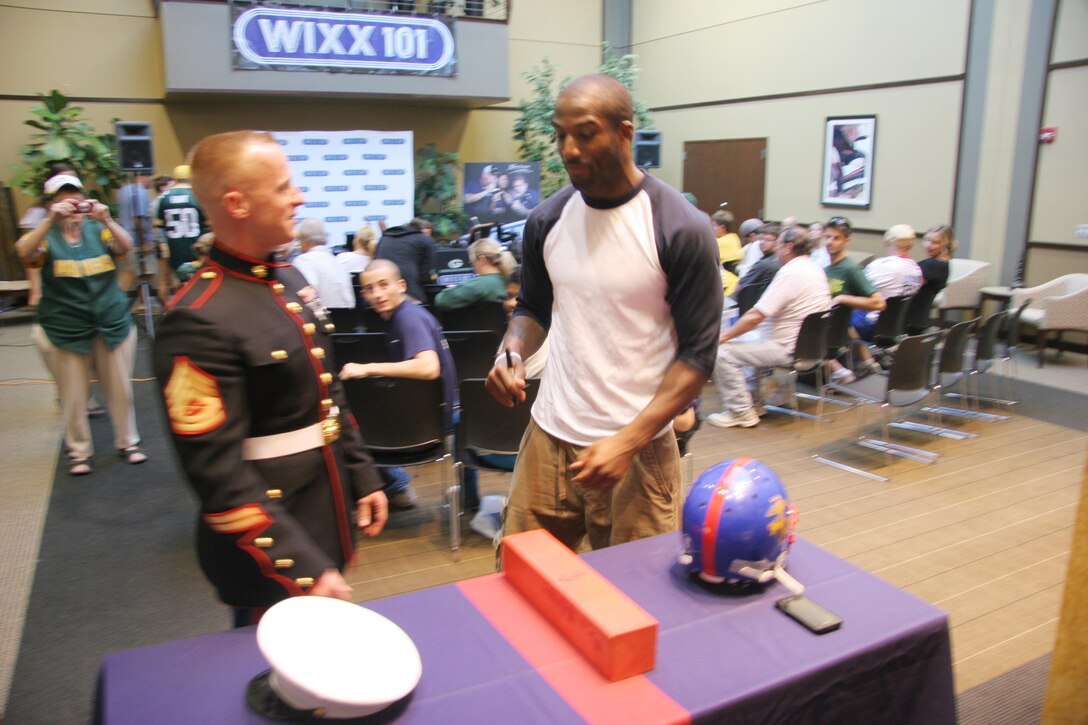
213, 163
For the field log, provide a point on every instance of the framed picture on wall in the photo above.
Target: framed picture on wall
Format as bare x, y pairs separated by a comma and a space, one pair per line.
849, 142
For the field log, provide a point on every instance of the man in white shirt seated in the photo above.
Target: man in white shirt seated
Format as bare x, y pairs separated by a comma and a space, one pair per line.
320, 268
893, 275
799, 289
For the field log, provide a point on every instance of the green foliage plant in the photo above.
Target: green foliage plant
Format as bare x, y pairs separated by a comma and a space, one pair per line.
437, 198
533, 126
64, 136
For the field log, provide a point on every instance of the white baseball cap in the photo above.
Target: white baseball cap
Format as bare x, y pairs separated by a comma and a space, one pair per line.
55, 183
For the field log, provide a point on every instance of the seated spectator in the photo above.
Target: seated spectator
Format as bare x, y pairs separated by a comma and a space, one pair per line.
331, 280
850, 287
819, 255
749, 237
935, 268
362, 250
201, 248
893, 275
416, 349
729, 251
799, 288
492, 266
763, 271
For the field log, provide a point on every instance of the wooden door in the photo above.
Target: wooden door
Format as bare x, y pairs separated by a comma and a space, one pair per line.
728, 170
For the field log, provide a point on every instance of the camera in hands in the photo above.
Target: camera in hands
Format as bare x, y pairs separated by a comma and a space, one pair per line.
84, 207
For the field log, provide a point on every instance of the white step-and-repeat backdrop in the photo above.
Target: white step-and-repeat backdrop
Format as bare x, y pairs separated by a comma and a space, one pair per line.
351, 177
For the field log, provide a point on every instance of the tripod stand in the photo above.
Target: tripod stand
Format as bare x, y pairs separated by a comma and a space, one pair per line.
139, 220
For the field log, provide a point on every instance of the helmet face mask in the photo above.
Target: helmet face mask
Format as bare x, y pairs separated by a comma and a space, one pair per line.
738, 523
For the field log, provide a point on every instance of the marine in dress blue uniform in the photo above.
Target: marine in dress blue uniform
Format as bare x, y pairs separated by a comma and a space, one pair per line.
241, 353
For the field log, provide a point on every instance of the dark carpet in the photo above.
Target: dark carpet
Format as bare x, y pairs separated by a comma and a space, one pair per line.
116, 570
1014, 698
1053, 405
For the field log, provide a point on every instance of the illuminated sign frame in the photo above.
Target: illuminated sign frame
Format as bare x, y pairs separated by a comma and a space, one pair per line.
294, 39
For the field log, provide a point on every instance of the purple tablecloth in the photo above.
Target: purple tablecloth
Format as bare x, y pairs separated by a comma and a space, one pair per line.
721, 657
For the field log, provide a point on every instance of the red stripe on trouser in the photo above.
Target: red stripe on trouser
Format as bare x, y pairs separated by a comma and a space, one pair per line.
714, 515
635, 699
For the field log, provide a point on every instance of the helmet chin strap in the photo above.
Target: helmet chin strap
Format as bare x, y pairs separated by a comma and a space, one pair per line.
785, 579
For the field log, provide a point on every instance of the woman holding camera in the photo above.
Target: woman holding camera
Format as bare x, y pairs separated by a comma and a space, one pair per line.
83, 316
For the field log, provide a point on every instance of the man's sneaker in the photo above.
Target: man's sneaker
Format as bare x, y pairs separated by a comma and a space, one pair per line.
406, 499
843, 376
747, 419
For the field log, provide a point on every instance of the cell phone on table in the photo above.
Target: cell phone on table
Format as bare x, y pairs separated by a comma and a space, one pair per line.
813, 616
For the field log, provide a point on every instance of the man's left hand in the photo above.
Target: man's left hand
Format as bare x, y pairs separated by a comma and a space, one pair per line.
352, 371
603, 464
372, 513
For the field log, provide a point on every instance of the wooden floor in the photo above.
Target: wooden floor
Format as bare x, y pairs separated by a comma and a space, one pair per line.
984, 533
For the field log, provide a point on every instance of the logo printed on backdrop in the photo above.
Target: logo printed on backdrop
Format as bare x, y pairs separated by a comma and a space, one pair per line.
339, 197
312, 39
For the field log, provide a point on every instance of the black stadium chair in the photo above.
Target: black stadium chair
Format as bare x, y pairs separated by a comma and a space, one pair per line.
473, 351
480, 316
403, 424
358, 347
907, 383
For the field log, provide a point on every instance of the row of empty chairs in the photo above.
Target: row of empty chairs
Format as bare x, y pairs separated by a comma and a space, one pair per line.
932, 366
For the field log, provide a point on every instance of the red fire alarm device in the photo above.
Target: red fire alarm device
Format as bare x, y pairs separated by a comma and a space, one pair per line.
1048, 134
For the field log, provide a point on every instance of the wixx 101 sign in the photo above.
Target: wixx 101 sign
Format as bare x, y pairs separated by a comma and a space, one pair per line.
277, 38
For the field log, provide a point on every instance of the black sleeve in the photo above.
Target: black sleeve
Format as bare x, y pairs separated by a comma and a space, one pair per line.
689, 256
536, 295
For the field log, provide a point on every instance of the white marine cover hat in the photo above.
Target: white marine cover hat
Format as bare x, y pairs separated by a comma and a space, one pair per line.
336, 659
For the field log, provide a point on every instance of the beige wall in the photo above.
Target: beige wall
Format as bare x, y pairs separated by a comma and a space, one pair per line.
1070, 36
1061, 167
914, 160
704, 50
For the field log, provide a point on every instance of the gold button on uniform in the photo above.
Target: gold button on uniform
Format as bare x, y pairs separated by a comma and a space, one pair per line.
210, 274
326, 378
318, 353
326, 404
294, 307
279, 354
264, 542
259, 270
330, 328
309, 328
274, 493
278, 288
305, 581
284, 563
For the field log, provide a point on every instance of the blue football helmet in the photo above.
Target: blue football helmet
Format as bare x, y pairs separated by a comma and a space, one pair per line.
738, 523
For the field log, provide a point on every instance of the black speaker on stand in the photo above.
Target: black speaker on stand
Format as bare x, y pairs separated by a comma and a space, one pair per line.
647, 149
135, 157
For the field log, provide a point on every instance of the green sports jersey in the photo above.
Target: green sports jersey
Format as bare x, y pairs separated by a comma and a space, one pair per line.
182, 223
847, 278
80, 296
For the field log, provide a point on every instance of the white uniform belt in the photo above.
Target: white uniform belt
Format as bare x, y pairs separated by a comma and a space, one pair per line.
283, 444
